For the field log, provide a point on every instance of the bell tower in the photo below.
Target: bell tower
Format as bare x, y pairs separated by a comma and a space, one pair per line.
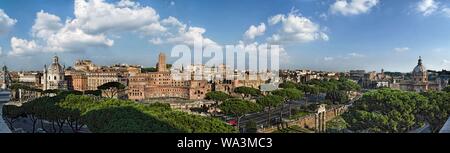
161, 65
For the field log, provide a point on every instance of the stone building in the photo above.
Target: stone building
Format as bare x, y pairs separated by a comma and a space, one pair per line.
160, 84
376, 80
53, 76
5, 78
102, 76
419, 80
31, 78
85, 65
79, 81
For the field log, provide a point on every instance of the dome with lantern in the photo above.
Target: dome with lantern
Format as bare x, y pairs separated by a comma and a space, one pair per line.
419, 73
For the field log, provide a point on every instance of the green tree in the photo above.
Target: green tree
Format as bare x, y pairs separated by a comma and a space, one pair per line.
251, 127
310, 90
217, 96
386, 110
269, 102
149, 69
93, 92
288, 84
436, 111
288, 95
247, 91
111, 89
446, 89
74, 106
239, 108
12, 113
32, 111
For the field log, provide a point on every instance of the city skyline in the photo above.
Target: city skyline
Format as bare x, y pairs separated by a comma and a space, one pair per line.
325, 35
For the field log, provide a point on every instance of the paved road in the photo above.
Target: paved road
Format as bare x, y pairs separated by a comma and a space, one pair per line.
261, 117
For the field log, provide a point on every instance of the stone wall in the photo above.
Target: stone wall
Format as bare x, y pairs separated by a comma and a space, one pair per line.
309, 121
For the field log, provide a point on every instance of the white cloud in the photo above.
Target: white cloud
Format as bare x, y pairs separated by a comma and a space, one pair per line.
76, 39
96, 16
445, 64
254, 31
427, 7
328, 58
1, 51
6, 23
172, 3
323, 16
127, 3
402, 49
284, 58
295, 28
190, 36
155, 41
356, 55
55, 36
446, 11
276, 19
96, 20
353, 7
154, 28
46, 25
23, 47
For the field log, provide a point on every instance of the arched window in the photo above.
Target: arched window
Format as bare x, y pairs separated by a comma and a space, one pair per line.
54, 78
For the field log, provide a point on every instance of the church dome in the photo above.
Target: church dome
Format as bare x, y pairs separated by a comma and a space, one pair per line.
419, 73
55, 67
419, 69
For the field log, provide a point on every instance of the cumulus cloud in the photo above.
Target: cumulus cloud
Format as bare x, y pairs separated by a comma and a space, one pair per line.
97, 20
295, 28
401, 49
96, 16
427, 7
23, 47
255, 31
191, 35
352, 7
6, 23
46, 25
76, 39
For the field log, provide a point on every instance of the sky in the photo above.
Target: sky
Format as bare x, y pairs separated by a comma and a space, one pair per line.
330, 35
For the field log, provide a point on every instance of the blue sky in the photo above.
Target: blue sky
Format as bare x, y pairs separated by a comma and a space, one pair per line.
334, 35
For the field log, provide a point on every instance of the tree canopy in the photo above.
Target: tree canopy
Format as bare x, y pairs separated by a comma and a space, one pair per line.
247, 91
288, 84
117, 116
217, 96
289, 94
110, 85
270, 101
239, 107
386, 110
